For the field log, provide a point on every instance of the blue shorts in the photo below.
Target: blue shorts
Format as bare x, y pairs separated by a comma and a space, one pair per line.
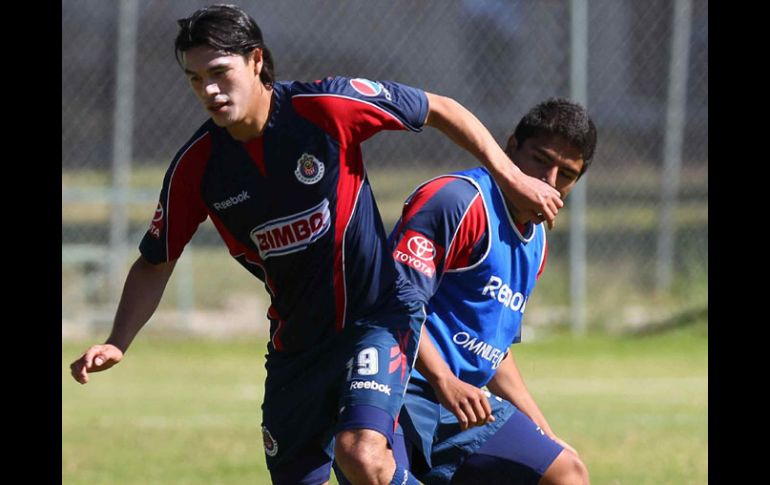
512, 448
355, 379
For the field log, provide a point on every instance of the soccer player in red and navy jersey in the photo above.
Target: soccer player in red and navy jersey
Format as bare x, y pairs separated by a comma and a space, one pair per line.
476, 257
278, 170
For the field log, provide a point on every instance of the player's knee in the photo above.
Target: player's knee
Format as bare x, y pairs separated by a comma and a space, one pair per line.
363, 455
567, 469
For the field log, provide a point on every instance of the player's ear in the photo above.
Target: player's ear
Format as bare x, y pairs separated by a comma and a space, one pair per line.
510, 147
257, 56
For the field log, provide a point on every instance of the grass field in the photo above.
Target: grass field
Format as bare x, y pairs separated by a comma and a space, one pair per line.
182, 411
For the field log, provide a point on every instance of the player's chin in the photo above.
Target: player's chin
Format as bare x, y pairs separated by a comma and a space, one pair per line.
222, 117
219, 120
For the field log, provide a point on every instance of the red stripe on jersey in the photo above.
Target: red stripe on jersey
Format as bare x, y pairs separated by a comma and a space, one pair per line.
471, 230
276, 337
236, 249
348, 120
542, 263
254, 147
422, 196
185, 209
348, 186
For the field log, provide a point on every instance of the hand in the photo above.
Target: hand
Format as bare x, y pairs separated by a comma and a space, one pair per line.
467, 402
96, 359
533, 199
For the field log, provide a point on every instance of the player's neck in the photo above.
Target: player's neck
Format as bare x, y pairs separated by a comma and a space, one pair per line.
256, 120
521, 226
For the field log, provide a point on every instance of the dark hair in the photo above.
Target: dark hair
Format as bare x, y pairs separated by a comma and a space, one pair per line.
227, 29
560, 116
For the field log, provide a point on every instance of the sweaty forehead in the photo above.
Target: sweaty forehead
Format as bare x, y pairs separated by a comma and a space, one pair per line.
205, 57
554, 144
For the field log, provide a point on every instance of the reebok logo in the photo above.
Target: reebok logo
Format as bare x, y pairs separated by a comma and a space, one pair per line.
231, 201
373, 385
497, 290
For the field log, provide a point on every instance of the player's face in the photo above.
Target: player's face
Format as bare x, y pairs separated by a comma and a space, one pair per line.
226, 84
550, 158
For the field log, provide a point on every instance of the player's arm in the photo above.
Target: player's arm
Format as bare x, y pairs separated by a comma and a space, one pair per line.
142, 292
467, 402
530, 195
508, 383
160, 248
448, 212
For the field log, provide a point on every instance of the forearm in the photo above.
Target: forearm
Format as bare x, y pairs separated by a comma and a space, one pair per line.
463, 128
508, 383
142, 292
429, 361
532, 199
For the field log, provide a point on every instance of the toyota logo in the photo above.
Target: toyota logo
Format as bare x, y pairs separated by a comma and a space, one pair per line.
422, 247
158, 213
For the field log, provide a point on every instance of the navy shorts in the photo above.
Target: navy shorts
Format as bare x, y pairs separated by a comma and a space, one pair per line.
354, 380
512, 448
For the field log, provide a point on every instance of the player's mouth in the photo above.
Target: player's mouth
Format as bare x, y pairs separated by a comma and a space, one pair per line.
217, 107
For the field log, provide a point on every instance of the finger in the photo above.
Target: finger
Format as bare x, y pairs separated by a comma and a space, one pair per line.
461, 418
88, 357
80, 374
487, 408
543, 217
471, 414
74, 372
557, 201
482, 413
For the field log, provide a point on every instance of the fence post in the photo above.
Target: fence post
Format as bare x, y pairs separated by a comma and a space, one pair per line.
122, 139
577, 234
674, 136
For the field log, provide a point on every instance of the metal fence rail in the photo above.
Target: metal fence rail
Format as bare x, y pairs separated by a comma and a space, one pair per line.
640, 230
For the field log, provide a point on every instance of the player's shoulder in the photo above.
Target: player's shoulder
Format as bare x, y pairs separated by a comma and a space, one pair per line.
196, 149
448, 188
200, 137
352, 87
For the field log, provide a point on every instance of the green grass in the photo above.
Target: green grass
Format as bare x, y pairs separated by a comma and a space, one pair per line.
188, 411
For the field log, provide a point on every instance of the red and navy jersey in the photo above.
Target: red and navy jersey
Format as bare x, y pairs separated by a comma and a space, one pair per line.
458, 245
294, 205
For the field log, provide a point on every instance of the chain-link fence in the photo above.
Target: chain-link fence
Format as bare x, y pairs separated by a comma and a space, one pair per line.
497, 57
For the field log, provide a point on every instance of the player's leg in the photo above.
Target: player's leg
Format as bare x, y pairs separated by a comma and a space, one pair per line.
566, 469
384, 351
520, 453
298, 412
310, 467
400, 454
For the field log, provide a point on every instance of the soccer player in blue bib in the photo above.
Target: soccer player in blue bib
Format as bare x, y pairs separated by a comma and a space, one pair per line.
278, 169
476, 256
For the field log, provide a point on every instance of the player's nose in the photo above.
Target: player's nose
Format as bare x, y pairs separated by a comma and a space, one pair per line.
211, 89
549, 176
